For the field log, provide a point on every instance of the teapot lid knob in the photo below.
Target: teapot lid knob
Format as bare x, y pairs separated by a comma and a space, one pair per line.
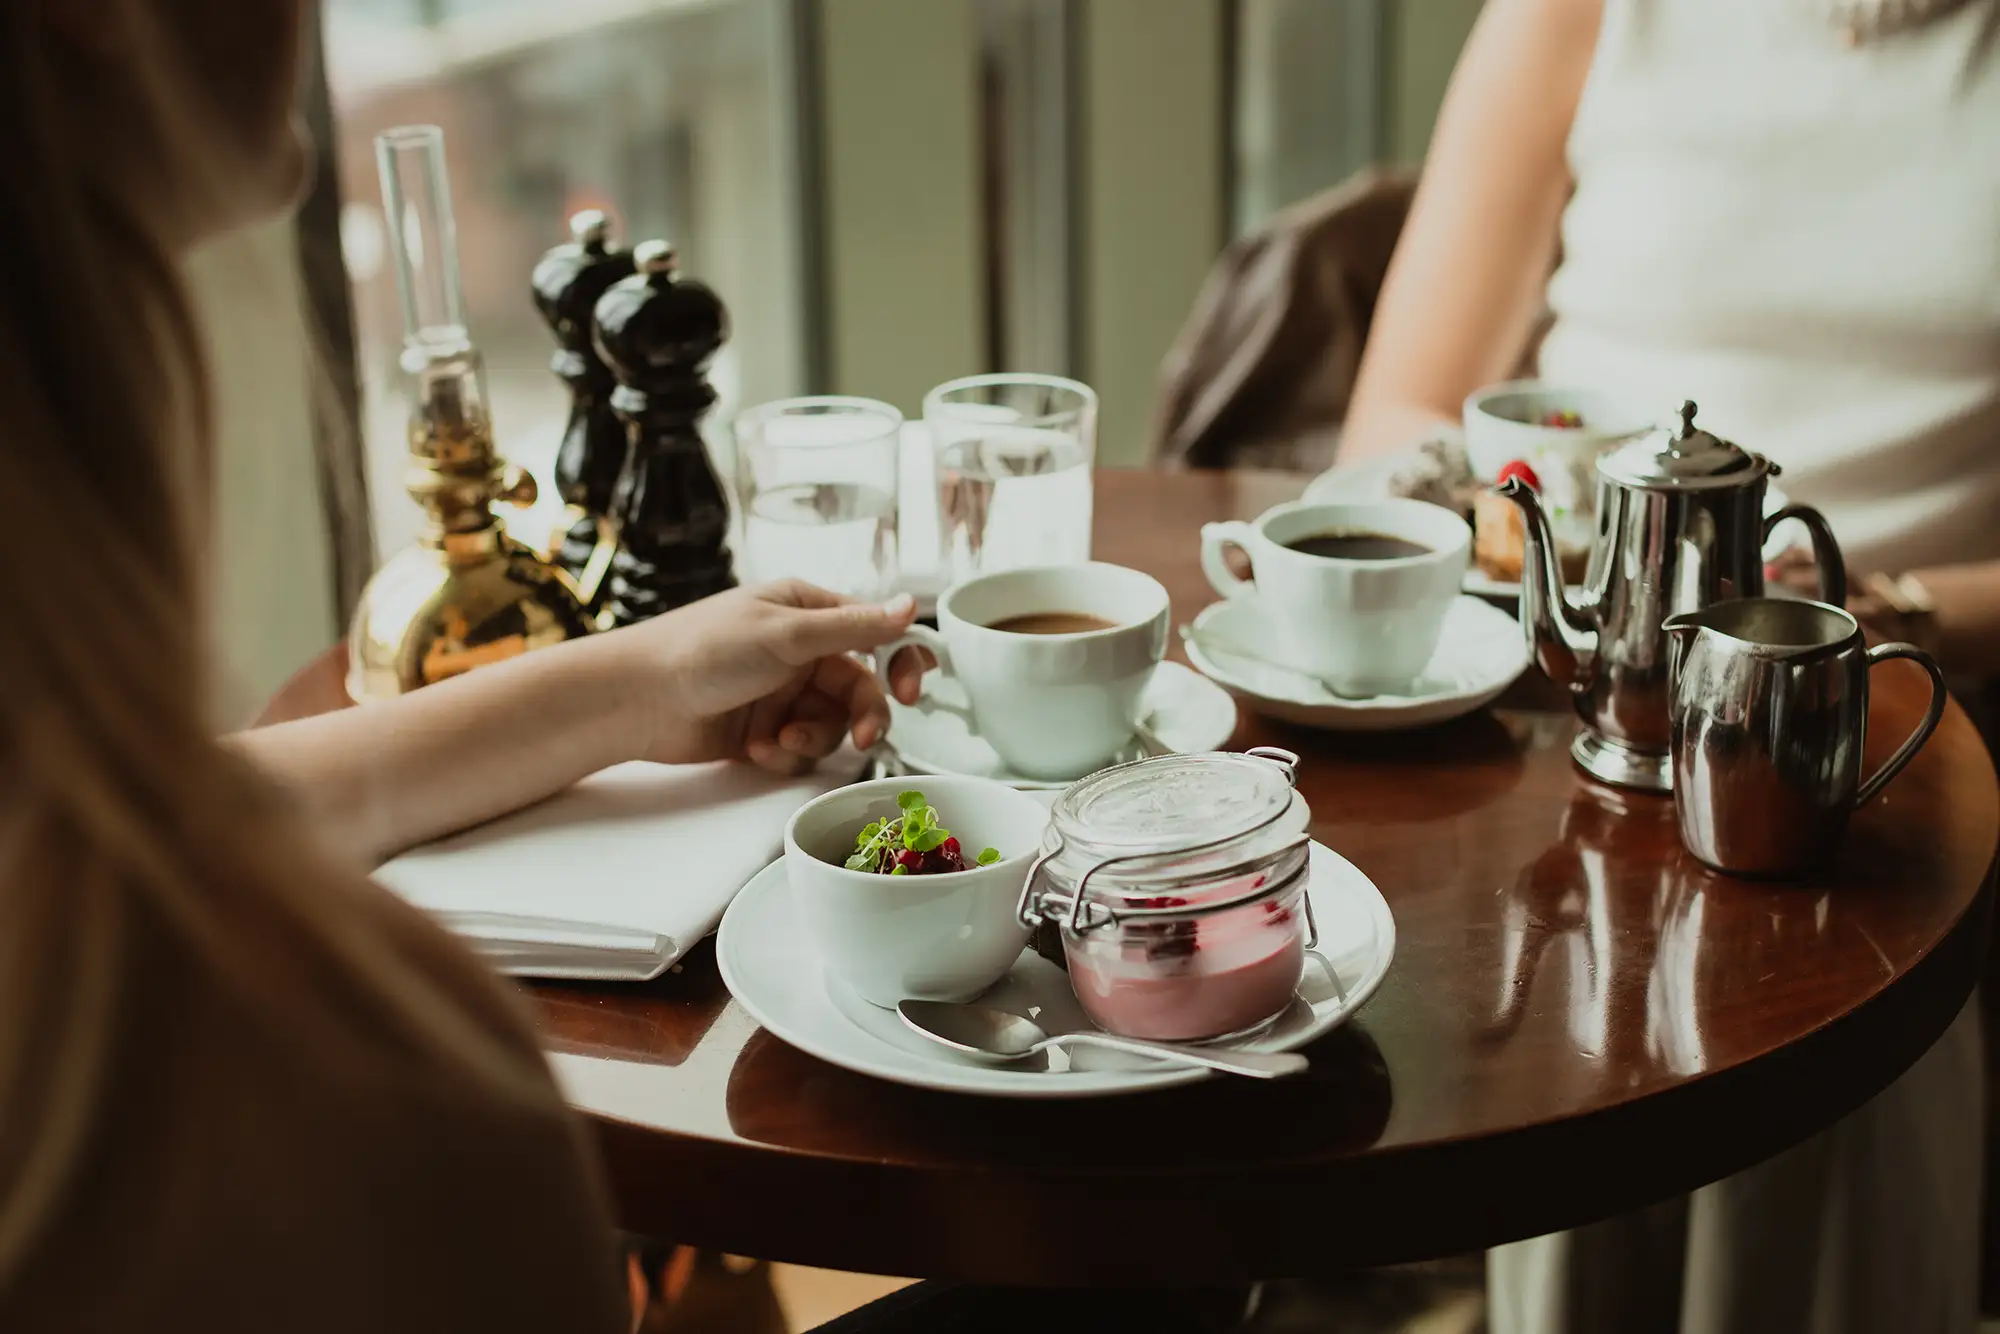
588, 227
1687, 420
654, 257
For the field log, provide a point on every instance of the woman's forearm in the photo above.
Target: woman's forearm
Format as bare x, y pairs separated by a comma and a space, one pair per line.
1967, 602
1465, 285
385, 776
1383, 427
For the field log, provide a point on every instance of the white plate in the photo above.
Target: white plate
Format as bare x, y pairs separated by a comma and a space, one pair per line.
772, 970
1187, 712
1369, 480
1481, 652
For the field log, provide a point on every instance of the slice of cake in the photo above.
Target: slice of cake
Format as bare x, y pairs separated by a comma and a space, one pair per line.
1499, 542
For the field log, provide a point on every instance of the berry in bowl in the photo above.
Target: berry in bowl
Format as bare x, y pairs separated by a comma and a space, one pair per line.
911, 887
912, 842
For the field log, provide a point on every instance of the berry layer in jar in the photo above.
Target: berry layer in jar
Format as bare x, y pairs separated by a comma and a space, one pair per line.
1179, 979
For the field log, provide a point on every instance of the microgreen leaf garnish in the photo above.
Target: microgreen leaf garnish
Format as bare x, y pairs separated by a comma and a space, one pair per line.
913, 843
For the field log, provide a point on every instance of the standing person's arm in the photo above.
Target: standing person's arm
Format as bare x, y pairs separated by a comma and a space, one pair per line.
1465, 286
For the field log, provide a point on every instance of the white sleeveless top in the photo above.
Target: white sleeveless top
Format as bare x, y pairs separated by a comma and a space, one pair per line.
1803, 237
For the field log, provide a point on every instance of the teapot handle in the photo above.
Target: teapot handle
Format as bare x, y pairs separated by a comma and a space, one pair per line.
1826, 551
1906, 752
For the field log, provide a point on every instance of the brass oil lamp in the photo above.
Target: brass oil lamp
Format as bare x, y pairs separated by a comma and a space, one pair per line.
466, 593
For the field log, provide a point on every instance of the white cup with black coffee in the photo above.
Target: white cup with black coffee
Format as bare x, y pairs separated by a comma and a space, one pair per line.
1053, 660
1353, 593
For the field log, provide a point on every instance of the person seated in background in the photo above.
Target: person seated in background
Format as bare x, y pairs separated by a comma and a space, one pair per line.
241, 1088
1785, 212
1756, 210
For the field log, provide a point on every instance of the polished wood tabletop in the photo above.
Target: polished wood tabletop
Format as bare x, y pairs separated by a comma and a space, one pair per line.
1580, 1019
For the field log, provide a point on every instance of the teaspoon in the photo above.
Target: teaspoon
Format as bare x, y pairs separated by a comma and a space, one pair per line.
996, 1035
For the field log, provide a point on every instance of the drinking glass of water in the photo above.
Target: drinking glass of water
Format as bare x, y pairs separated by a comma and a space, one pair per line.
1014, 454
816, 478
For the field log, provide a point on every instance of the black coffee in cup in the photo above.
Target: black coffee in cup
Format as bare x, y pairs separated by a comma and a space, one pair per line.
1052, 623
1354, 544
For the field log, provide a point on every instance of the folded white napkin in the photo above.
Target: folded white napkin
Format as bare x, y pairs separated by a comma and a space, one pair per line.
615, 878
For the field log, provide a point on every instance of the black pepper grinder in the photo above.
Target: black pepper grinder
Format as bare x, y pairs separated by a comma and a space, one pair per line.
567, 282
657, 332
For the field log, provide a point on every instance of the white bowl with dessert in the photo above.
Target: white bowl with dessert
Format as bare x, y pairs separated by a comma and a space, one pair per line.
907, 899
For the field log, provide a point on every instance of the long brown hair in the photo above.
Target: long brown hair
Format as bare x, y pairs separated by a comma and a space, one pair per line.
122, 820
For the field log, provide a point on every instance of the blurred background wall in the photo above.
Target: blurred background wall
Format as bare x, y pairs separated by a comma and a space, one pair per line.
887, 193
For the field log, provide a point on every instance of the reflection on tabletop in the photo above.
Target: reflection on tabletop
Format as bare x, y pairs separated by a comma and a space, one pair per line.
657, 1022
1461, 766
1634, 947
782, 1097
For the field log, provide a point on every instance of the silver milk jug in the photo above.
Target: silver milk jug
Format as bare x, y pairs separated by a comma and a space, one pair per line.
1768, 709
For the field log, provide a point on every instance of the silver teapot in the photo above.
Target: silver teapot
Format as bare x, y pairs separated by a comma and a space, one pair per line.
1680, 525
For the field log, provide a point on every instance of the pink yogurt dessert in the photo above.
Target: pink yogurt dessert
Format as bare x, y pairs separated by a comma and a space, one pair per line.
1200, 977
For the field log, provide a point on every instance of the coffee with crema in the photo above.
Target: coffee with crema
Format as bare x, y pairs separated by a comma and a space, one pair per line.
1357, 545
1054, 661
1052, 623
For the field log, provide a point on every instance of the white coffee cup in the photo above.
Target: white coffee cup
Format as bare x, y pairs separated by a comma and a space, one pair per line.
1366, 627
1054, 706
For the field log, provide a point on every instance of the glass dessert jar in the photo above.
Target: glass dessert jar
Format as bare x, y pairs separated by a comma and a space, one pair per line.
1177, 884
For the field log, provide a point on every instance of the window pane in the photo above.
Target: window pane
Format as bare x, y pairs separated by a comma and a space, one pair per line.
677, 116
1323, 90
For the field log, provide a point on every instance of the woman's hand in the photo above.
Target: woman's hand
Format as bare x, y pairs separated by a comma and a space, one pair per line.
1795, 571
764, 674
1963, 627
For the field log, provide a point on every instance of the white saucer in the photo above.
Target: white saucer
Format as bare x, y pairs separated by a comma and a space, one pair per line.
772, 970
1480, 654
1370, 478
1185, 711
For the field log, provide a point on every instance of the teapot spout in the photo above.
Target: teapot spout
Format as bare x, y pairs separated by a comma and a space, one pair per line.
1561, 637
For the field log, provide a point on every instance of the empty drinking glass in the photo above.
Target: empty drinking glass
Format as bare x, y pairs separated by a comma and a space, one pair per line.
1014, 454
817, 480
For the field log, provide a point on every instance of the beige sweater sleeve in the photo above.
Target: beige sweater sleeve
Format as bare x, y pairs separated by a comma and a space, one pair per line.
239, 1176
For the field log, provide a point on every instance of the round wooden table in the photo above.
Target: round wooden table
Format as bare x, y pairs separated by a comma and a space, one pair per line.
1580, 1019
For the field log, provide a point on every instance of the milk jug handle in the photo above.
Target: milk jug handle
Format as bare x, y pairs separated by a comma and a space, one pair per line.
1876, 781
1826, 551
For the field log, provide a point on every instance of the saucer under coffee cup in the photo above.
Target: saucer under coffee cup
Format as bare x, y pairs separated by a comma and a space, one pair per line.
1355, 593
1053, 660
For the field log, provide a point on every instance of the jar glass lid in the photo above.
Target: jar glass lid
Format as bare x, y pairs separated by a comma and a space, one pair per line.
1173, 802
1173, 819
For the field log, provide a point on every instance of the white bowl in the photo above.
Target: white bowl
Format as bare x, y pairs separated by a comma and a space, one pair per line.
917, 937
1502, 423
